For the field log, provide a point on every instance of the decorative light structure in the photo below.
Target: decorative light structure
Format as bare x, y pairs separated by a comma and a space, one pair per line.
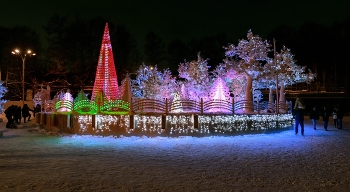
219, 91
106, 80
65, 102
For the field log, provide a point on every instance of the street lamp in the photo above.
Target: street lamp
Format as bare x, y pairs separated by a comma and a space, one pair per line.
23, 56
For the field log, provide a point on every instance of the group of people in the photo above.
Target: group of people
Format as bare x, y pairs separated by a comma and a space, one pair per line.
325, 114
15, 113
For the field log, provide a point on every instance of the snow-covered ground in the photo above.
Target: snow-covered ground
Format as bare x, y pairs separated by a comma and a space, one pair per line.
33, 160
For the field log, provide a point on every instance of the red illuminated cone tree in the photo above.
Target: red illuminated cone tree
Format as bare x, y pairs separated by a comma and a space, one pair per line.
106, 80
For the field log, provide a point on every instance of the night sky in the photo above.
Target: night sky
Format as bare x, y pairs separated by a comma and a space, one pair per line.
178, 19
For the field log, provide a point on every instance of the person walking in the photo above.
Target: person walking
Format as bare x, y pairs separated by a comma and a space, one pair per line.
340, 115
314, 116
335, 118
10, 117
299, 116
325, 118
26, 113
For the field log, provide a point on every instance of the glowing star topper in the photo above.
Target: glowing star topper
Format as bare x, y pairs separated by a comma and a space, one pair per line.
106, 77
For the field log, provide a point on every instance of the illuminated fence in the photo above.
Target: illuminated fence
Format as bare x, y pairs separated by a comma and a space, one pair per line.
148, 106
141, 106
184, 106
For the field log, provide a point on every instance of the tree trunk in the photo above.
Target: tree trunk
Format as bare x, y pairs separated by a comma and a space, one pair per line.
270, 107
271, 95
282, 100
249, 96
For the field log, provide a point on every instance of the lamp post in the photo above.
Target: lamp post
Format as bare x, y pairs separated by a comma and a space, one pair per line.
23, 56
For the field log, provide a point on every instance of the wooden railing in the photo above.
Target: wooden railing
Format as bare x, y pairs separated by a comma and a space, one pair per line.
202, 107
149, 106
184, 106
217, 106
243, 105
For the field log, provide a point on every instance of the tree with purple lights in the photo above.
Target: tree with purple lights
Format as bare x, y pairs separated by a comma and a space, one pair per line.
246, 58
234, 81
169, 85
197, 78
219, 90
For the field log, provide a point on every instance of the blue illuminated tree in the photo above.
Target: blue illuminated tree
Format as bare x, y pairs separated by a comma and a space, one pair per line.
153, 84
3, 90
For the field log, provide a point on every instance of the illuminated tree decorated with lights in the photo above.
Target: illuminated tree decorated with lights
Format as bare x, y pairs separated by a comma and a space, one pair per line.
3, 90
169, 85
219, 91
197, 78
183, 91
286, 72
153, 84
106, 80
246, 58
234, 81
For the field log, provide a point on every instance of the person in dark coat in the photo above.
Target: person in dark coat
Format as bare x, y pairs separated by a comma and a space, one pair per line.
36, 109
314, 116
26, 113
340, 115
299, 116
9, 112
325, 117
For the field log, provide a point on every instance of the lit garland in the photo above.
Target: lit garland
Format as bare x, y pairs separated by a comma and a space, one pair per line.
181, 124
85, 106
184, 124
149, 123
113, 105
103, 122
230, 123
85, 122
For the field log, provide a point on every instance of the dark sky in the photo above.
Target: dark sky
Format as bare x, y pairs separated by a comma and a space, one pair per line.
180, 18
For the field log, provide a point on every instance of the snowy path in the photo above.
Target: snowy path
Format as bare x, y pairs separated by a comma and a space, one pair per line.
33, 161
